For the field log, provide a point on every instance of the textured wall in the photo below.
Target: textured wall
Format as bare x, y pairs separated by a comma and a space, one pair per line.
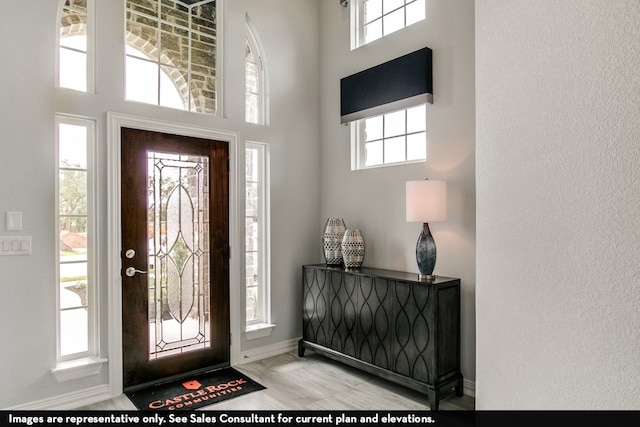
558, 199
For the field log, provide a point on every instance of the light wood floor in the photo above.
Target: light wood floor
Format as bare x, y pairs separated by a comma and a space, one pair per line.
315, 383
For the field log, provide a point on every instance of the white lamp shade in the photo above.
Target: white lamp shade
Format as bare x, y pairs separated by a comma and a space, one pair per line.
426, 201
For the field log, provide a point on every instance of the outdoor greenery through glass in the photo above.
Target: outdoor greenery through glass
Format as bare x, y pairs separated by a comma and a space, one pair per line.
74, 281
253, 235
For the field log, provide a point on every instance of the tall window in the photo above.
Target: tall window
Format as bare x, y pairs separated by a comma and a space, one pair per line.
172, 53
75, 63
255, 81
392, 138
374, 19
257, 235
75, 219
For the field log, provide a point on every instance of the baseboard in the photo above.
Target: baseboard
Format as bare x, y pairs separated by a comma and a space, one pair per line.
469, 388
68, 401
269, 351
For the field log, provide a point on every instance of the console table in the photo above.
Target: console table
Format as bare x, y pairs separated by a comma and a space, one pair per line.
387, 323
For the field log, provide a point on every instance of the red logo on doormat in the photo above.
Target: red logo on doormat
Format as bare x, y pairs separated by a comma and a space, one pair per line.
192, 385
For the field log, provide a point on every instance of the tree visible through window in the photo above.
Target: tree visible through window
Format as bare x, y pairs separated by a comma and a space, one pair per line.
75, 225
256, 232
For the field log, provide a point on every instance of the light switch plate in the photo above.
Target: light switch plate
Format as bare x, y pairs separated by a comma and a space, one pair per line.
14, 221
15, 245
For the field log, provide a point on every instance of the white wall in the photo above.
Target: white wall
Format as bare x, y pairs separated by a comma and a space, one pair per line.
290, 36
374, 200
558, 179
28, 101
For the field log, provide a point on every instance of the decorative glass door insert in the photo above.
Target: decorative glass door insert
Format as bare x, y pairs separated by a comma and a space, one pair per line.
179, 253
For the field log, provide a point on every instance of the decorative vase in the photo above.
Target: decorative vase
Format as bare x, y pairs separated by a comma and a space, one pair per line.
352, 248
332, 240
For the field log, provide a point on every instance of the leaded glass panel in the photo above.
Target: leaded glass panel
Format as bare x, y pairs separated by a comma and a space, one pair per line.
178, 224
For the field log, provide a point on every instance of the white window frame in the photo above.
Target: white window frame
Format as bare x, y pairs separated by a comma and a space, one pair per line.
254, 44
86, 363
358, 143
357, 21
262, 325
90, 52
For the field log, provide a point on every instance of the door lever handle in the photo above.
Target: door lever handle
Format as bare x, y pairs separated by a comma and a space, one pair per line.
130, 272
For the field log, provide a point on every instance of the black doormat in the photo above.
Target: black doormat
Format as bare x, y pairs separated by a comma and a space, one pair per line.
200, 390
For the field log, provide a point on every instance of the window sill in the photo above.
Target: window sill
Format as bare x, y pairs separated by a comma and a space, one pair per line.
78, 368
259, 330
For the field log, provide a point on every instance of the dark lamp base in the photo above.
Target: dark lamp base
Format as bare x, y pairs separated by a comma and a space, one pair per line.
426, 252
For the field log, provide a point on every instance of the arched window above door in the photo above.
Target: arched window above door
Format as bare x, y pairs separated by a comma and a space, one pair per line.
173, 48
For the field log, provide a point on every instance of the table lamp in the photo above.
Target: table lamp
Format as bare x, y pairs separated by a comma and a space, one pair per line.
426, 202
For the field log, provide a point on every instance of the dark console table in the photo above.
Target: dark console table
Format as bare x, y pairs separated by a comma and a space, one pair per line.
387, 323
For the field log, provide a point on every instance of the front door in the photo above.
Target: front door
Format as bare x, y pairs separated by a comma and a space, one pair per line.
175, 256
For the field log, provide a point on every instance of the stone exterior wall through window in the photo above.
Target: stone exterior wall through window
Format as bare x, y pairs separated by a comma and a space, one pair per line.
182, 37
73, 20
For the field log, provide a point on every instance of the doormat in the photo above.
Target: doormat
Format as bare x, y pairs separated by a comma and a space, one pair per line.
201, 390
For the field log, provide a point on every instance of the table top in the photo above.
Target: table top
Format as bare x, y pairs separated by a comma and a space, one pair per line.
387, 274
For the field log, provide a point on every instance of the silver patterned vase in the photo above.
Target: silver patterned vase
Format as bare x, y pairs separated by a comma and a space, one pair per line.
332, 240
353, 248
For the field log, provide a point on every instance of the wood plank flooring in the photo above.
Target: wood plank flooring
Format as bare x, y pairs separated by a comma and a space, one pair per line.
315, 383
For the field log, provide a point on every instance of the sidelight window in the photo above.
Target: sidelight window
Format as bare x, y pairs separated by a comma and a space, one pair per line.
76, 228
257, 236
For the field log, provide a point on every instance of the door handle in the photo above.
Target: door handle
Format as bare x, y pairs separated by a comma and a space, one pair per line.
130, 272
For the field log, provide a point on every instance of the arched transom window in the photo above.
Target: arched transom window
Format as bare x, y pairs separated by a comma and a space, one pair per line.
172, 53
75, 40
255, 79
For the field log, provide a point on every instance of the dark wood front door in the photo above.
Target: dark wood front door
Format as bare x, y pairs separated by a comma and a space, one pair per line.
175, 255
